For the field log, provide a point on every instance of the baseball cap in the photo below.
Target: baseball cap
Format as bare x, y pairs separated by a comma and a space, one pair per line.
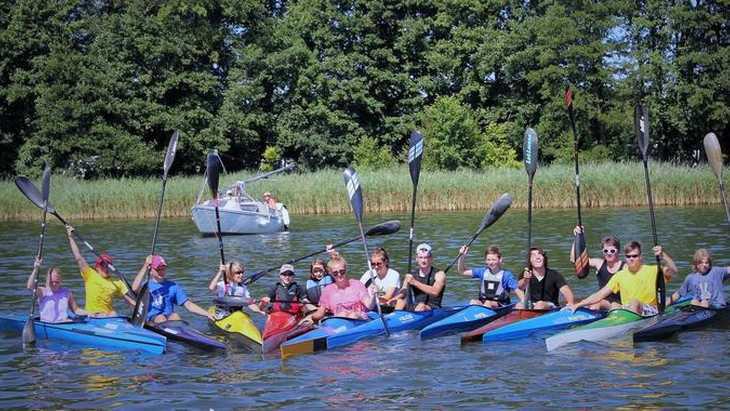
423, 247
286, 268
103, 259
157, 262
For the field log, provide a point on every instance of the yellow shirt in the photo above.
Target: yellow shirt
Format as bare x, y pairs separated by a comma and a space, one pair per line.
640, 285
100, 291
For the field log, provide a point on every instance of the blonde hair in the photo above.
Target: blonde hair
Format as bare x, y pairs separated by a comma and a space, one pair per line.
700, 255
51, 270
233, 266
336, 260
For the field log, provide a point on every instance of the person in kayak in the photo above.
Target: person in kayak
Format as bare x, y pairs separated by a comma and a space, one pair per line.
495, 283
636, 282
546, 285
345, 297
605, 268
54, 301
318, 279
100, 288
164, 294
231, 286
387, 280
286, 295
704, 284
426, 283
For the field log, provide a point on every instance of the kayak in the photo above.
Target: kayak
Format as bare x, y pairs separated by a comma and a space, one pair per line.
509, 318
239, 327
115, 333
471, 317
666, 325
181, 331
543, 324
281, 326
317, 339
619, 322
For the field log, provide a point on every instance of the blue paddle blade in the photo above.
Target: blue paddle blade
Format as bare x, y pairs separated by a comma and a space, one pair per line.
641, 128
213, 173
415, 153
170, 154
354, 191
529, 152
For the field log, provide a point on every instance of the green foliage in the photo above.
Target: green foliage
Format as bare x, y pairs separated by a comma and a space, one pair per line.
452, 135
270, 158
493, 149
370, 156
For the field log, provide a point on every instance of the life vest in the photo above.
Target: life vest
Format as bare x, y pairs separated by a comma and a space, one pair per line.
286, 299
490, 288
421, 297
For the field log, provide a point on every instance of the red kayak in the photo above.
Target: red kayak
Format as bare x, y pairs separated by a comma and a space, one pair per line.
281, 326
513, 316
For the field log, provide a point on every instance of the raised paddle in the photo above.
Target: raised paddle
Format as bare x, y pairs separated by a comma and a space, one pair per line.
415, 153
495, 212
212, 172
142, 306
31, 192
386, 228
714, 157
580, 251
29, 328
354, 192
641, 127
529, 155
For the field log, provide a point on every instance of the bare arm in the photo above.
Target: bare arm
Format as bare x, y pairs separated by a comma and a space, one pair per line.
216, 278
432, 290
520, 294
75, 249
567, 294
460, 266
32, 277
196, 309
319, 314
669, 268
594, 298
75, 307
139, 278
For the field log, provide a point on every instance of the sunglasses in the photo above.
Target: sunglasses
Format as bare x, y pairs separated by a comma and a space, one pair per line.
339, 272
287, 274
610, 251
376, 263
631, 255
238, 273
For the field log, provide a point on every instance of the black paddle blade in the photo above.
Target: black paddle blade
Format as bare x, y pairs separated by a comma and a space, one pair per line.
31, 192
141, 307
213, 173
46, 185
529, 152
641, 128
354, 191
714, 153
170, 154
581, 256
498, 208
415, 153
388, 227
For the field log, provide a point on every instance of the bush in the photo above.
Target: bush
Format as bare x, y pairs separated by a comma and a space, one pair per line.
451, 133
270, 158
369, 156
494, 151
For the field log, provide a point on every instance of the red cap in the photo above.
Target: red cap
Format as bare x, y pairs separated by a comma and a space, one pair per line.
157, 262
103, 259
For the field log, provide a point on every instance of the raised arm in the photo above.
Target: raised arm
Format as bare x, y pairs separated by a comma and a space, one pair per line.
216, 278
460, 266
32, 277
139, 278
75, 249
668, 268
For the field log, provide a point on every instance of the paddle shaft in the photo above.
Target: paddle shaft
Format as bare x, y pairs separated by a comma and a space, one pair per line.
661, 287
218, 233
528, 300
724, 200
30, 336
468, 244
372, 277
411, 297
571, 115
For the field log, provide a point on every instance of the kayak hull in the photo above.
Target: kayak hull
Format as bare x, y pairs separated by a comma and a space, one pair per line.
544, 324
618, 322
667, 325
238, 327
281, 326
471, 317
181, 331
114, 333
476, 335
317, 339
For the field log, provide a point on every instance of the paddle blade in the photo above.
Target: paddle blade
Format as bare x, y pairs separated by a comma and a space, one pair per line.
46, 185
170, 154
415, 153
529, 152
31, 192
141, 307
213, 173
581, 256
498, 208
714, 153
388, 227
354, 191
641, 128
28, 332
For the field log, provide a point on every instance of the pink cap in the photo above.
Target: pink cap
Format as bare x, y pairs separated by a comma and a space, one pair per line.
157, 262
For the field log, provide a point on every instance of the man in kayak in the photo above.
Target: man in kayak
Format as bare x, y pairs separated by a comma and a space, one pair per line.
705, 283
426, 283
346, 297
546, 285
495, 284
100, 288
636, 282
54, 301
286, 295
387, 280
605, 268
164, 294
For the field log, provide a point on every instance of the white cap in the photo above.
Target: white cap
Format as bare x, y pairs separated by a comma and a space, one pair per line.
423, 247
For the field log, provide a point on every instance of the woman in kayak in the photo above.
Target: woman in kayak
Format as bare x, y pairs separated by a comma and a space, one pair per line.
605, 268
386, 279
286, 295
705, 283
546, 285
318, 279
345, 297
495, 284
231, 286
54, 301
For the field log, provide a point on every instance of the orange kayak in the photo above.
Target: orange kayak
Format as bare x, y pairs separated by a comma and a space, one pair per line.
281, 326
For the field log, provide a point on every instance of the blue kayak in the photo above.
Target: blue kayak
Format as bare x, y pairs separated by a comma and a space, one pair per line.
685, 318
544, 324
181, 331
317, 339
471, 317
114, 333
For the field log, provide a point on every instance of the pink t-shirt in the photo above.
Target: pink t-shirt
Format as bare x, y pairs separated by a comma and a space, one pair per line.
335, 299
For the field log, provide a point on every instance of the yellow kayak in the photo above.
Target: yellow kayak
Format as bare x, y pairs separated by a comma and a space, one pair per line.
238, 326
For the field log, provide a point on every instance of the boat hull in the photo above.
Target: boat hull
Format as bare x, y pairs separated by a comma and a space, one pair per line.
471, 317
235, 221
238, 327
543, 325
317, 339
477, 334
181, 331
281, 326
618, 322
667, 325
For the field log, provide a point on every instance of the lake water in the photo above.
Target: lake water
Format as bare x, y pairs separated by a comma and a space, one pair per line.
690, 371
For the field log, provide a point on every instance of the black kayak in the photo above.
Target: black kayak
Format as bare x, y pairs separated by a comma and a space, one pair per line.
181, 331
667, 325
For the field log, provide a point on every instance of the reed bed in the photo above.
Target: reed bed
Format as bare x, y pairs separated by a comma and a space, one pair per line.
384, 191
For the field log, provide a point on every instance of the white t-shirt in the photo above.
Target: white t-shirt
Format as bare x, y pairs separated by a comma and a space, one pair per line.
391, 280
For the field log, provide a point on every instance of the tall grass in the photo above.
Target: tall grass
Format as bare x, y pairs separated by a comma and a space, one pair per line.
388, 190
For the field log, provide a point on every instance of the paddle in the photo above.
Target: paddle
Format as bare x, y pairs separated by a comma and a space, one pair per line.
529, 155
31, 193
498, 208
142, 306
388, 227
641, 127
415, 153
580, 251
212, 173
29, 329
354, 192
714, 157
